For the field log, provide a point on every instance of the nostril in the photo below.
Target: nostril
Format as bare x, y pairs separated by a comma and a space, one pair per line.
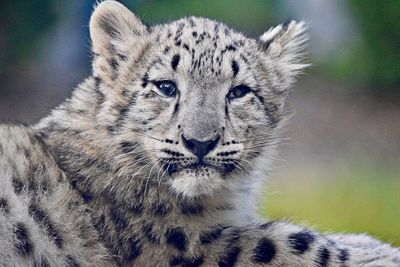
188, 143
213, 144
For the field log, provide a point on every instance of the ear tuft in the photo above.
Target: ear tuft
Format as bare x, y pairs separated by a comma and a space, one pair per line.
289, 37
284, 47
113, 22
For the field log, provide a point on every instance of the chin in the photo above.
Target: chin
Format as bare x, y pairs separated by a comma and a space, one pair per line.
196, 183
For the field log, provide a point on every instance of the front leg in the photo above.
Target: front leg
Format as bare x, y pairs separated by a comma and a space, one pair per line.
279, 243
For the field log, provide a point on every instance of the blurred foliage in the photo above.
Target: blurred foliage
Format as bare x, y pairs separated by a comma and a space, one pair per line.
22, 24
361, 201
254, 16
375, 61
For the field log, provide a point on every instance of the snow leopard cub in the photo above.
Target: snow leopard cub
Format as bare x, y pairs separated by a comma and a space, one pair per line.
157, 157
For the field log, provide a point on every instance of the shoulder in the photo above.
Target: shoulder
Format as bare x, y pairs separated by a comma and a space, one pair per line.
16, 142
26, 162
19, 141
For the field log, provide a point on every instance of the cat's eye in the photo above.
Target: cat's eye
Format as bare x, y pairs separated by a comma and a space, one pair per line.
238, 92
168, 88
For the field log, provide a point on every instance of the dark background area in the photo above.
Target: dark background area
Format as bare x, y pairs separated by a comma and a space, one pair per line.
342, 163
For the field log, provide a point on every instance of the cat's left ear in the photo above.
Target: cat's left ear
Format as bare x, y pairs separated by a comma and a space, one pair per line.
113, 22
116, 33
284, 47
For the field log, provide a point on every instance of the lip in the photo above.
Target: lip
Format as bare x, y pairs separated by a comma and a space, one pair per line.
225, 169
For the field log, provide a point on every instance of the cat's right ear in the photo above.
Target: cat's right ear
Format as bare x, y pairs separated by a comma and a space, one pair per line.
112, 28
284, 49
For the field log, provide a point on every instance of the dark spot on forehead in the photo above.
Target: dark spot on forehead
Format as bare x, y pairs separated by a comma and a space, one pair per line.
145, 80
244, 59
4, 205
230, 48
175, 61
235, 68
17, 184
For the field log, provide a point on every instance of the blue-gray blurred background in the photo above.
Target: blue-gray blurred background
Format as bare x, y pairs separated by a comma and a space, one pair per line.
340, 168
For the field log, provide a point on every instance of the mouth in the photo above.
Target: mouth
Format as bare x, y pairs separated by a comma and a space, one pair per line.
199, 168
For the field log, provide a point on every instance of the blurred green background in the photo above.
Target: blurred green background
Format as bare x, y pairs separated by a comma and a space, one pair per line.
340, 168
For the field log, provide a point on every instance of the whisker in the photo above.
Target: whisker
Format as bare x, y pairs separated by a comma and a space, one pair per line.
149, 176
145, 134
162, 176
241, 164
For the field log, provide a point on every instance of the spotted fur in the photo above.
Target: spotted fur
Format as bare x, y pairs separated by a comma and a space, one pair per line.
112, 177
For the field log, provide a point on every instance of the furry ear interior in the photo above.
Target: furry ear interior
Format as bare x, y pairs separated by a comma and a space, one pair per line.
284, 47
112, 22
112, 28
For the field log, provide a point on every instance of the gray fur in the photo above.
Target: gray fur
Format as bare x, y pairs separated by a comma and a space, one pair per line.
89, 185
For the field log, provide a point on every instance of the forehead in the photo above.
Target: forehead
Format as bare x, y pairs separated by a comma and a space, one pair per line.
204, 46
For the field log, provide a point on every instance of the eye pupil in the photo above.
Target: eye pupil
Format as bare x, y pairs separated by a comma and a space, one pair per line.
168, 88
238, 92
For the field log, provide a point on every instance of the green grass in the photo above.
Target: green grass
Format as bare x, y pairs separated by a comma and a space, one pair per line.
356, 202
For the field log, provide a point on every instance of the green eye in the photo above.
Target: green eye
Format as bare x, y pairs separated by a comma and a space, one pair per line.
238, 92
168, 88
